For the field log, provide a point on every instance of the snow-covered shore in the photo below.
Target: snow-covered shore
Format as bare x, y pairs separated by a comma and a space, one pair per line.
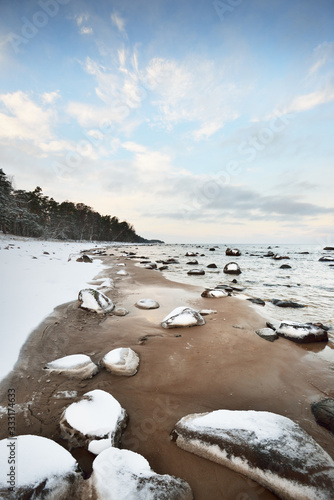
36, 276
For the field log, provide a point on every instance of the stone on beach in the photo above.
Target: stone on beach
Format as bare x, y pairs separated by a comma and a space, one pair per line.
286, 303
232, 268
122, 272
206, 312
196, 272
182, 317
268, 448
147, 304
95, 301
76, 366
84, 258
121, 361
326, 258
126, 475
193, 262
324, 413
267, 334
214, 294
257, 300
95, 422
120, 311
43, 469
302, 332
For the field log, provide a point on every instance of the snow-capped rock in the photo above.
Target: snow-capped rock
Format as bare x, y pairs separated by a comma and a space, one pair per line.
326, 258
147, 304
126, 475
269, 448
232, 268
324, 413
40, 468
182, 316
121, 361
302, 332
122, 272
95, 301
76, 365
267, 334
193, 262
84, 258
96, 422
214, 294
196, 272
206, 312
233, 252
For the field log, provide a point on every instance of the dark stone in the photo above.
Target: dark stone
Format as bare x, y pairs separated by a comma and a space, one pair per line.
257, 301
326, 259
285, 266
269, 254
212, 266
323, 412
85, 258
304, 253
170, 261
163, 268
196, 272
280, 257
193, 262
286, 303
302, 333
232, 268
329, 248
233, 252
267, 334
212, 249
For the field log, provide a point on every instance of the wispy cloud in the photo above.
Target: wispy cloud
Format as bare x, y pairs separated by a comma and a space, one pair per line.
119, 22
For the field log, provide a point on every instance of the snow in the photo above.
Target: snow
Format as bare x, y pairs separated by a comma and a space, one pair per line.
32, 288
297, 330
37, 459
121, 361
126, 475
96, 414
147, 304
232, 267
122, 273
267, 447
182, 316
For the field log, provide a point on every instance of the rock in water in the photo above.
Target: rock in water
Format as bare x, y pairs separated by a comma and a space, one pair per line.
326, 259
214, 294
76, 366
43, 469
302, 332
256, 300
286, 303
196, 272
95, 301
121, 361
268, 448
233, 252
182, 316
232, 268
147, 304
96, 422
324, 413
126, 475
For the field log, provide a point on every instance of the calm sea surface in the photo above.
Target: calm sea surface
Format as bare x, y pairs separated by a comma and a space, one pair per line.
308, 282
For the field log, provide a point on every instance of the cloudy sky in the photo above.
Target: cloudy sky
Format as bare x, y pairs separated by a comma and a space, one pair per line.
195, 120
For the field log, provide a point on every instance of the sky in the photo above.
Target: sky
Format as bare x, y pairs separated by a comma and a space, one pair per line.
194, 120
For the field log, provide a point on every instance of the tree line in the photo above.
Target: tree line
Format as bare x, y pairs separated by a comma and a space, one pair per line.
31, 213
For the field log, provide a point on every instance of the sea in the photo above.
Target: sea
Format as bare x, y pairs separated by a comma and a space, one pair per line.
309, 282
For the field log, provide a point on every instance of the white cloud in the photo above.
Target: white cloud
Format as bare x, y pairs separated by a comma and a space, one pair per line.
86, 30
50, 97
119, 22
322, 53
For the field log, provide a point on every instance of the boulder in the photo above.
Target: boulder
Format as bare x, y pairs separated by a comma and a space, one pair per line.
269, 254
84, 258
196, 272
324, 413
280, 257
211, 266
267, 334
193, 262
329, 248
122, 272
214, 294
326, 258
233, 252
95, 422
147, 304
212, 249
73, 366
126, 475
150, 265
206, 312
285, 266
232, 268
268, 448
181, 317
302, 333
92, 300
41, 469
163, 268
120, 311
256, 300
121, 361
191, 254
170, 261
286, 303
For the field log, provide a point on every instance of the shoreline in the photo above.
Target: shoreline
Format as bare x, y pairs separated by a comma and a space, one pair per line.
220, 365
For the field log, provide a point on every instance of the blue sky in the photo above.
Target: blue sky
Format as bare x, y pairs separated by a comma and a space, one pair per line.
196, 121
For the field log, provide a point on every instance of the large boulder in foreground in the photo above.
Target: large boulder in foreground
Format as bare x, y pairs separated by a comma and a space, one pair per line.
42, 469
92, 300
232, 268
121, 361
73, 366
302, 333
96, 422
182, 316
126, 475
268, 448
324, 413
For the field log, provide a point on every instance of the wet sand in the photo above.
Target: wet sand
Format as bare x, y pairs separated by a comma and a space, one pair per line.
221, 365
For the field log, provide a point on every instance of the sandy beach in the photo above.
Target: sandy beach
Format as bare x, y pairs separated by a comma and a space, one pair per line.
220, 365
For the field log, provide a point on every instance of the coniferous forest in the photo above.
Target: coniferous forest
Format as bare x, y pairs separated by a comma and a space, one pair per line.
31, 213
